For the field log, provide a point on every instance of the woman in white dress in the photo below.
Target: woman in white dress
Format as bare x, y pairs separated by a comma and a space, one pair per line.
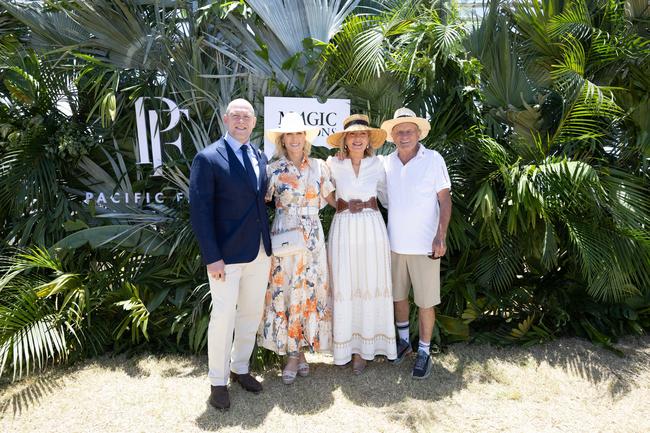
358, 249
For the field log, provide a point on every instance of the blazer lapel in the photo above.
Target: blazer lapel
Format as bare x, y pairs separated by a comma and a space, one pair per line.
221, 149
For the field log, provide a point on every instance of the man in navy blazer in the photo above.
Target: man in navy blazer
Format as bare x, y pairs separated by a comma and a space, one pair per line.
228, 214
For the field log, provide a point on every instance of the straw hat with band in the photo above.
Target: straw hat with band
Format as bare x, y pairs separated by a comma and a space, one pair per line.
291, 122
357, 122
405, 115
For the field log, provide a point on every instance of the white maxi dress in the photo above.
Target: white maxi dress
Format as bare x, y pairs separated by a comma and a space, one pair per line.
359, 257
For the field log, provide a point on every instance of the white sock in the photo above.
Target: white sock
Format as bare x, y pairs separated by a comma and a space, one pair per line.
426, 347
403, 330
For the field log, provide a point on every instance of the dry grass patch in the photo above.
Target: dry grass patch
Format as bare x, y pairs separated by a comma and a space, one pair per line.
565, 386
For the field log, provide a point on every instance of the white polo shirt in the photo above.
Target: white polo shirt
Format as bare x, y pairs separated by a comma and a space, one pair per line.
413, 208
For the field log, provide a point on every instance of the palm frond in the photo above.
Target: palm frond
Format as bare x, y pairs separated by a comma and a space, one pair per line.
137, 318
599, 262
532, 19
378, 98
566, 180
288, 31
32, 332
31, 336
370, 53
487, 213
371, 42
589, 116
505, 81
119, 33
628, 199
138, 238
498, 267
574, 20
292, 21
550, 248
338, 58
49, 28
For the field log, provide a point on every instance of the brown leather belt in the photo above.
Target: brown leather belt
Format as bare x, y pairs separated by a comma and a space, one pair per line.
356, 205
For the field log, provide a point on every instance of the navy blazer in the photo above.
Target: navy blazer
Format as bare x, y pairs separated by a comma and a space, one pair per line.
228, 216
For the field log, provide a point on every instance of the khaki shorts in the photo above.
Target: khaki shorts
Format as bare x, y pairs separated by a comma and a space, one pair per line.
418, 271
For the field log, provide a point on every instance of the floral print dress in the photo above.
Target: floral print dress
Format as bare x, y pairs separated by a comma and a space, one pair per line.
298, 309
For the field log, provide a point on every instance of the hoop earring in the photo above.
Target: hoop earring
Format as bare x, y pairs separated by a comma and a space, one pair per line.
345, 146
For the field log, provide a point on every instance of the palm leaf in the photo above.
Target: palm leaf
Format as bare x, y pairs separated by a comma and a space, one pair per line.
31, 331
575, 20
498, 267
292, 21
505, 81
275, 47
128, 237
599, 262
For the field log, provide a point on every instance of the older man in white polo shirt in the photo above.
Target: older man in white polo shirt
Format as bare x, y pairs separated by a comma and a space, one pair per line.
419, 209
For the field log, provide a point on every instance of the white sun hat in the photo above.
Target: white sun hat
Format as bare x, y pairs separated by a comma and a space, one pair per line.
406, 115
292, 122
358, 122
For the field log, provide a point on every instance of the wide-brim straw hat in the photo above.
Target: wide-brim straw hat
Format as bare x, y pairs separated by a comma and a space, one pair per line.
358, 122
405, 115
292, 122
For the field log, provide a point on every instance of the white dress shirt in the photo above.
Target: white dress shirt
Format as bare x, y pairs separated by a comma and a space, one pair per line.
236, 147
414, 211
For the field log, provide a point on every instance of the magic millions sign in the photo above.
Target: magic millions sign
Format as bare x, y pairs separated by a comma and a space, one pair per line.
327, 116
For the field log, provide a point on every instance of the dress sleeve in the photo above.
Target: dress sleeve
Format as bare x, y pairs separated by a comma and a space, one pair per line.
382, 193
271, 186
330, 170
326, 184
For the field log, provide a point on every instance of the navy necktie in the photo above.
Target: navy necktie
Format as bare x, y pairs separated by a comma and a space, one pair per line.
252, 178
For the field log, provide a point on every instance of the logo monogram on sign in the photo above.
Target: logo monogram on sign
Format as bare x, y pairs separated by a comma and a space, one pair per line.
155, 156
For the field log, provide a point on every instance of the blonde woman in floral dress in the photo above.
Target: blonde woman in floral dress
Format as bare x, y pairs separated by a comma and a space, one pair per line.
298, 310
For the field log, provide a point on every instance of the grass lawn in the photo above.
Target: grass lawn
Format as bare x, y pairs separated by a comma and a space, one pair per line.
568, 385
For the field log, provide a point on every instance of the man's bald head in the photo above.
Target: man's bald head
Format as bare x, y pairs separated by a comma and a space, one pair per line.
240, 104
240, 119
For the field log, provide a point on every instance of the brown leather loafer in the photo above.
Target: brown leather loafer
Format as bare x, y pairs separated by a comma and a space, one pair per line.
248, 382
219, 398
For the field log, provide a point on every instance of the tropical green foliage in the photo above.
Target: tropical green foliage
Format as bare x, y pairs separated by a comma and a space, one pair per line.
540, 109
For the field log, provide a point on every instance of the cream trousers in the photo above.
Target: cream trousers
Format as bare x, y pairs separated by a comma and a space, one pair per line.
237, 306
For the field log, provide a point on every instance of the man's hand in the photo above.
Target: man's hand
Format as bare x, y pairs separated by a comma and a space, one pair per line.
217, 270
438, 247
